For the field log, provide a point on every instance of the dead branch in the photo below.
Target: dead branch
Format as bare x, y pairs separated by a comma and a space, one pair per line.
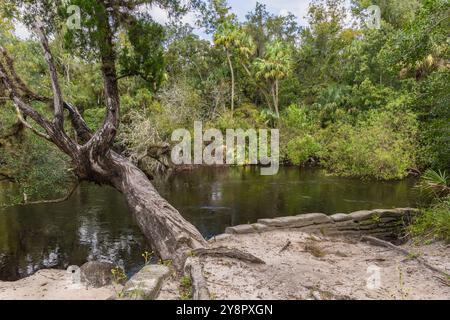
63, 199
444, 281
382, 243
227, 252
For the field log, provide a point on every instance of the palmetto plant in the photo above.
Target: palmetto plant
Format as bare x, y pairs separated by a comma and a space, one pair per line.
435, 183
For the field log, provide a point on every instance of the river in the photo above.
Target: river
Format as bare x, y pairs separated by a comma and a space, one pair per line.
94, 223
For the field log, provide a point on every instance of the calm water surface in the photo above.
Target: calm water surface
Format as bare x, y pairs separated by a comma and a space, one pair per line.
95, 224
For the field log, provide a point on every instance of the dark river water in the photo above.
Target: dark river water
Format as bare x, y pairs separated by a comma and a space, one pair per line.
95, 224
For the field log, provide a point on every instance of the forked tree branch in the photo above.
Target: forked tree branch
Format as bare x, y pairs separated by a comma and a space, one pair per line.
78, 123
57, 95
100, 142
55, 135
20, 104
29, 126
18, 82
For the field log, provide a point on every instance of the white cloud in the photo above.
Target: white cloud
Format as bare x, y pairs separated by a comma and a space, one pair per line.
297, 7
159, 15
284, 12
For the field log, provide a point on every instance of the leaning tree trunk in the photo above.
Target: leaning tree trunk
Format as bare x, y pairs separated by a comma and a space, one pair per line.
170, 235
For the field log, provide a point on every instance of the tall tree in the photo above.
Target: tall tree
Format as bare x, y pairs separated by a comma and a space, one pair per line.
226, 36
91, 154
275, 66
238, 46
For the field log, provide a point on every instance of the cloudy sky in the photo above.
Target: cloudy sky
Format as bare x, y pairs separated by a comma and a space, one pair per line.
297, 7
239, 7
242, 7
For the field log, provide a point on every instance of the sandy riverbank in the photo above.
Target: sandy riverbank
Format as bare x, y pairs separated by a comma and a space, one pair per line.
316, 267
298, 266
51, 284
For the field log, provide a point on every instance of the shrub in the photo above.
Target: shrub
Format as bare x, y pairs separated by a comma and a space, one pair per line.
246, 116
301, 149
434, 184
433, 223
380, 145
299, 135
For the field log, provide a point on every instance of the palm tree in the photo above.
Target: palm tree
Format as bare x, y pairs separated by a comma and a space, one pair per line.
273, 67
226, 37
236, 43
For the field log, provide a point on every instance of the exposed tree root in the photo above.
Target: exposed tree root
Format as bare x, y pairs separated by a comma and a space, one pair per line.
227, 252
199, 285
382, 243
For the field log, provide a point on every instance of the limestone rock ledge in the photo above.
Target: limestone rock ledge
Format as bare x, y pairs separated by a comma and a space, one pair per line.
146, 284
383, 223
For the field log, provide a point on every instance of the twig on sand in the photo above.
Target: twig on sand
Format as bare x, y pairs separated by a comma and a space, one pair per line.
379, 242
444, 281
286, 246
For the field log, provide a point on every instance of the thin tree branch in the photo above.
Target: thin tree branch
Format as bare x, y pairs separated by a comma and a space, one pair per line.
78, 123
21, 105
56, 134
27, 125
379, 242
57, 95
18, 82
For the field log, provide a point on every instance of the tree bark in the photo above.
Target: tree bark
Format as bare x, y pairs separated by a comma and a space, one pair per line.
232, 80
276, 99
163, 226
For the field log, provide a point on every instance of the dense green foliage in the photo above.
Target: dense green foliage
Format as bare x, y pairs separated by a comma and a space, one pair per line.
433, 221
361, 102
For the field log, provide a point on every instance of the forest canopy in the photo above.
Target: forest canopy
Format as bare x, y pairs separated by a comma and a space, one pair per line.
361, 102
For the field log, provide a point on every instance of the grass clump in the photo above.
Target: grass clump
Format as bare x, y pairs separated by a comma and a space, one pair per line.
315, 250
433, 222
185, 288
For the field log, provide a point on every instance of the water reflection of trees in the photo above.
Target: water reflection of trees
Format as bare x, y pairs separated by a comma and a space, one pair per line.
91, 226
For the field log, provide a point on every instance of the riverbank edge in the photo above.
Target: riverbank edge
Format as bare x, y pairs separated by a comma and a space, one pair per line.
382, 223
